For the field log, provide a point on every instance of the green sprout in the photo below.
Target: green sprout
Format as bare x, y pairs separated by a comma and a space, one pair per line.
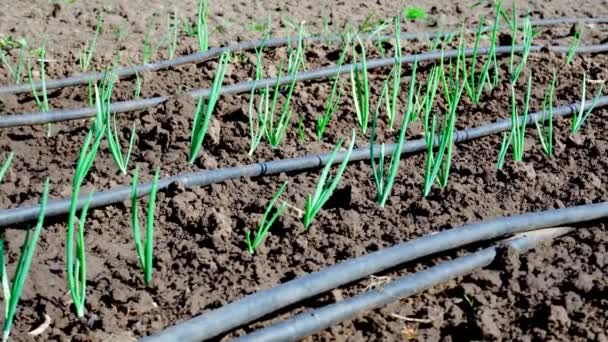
6, 165
578, 118
438, 165
145, 249
14, 70
335, 95
188, 28
172, 33
41, 100
13, 293
104, 114
205, 107
326, 185
86, 55
528, 35
391, 101
474, 84
516, 138
545, 133
266, 223
384, 182
414, 13
202, 31
574, 44
360, 88
76, 267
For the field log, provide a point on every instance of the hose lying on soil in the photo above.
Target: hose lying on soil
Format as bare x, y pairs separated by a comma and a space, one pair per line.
264, 302
250, 45
15, 120
310, 322
207, 177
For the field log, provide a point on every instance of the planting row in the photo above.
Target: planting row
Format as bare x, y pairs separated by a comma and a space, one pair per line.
434, 102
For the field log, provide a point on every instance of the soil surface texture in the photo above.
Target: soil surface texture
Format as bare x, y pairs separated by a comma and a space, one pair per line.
555, 292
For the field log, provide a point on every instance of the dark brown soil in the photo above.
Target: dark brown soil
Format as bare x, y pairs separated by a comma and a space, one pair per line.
555, 292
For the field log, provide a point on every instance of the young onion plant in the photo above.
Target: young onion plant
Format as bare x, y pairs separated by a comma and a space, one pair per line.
145, 248
528, 35
437, 167
202, 31
574, 44
385, 180
172, 33
86, 55
266, 222
545, 132
578, 118
326, 185
267, 124
336, 92
104, 114
391, 101
516, 138
14, 70
6, 165
205, 107
12, 293
42, 100
76, 256
474, 84
360, 87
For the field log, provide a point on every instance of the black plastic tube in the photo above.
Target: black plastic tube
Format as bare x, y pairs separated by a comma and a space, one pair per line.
249, 45
262, 303
310, 322
201, 178
15, 120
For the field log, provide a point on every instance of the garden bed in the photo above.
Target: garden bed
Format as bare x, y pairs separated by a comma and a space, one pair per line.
202, 262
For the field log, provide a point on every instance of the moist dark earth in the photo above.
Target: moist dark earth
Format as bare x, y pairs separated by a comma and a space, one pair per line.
555, 292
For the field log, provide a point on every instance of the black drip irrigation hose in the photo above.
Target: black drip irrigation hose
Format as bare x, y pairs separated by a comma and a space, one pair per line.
310, 322
250, 45
262, 303
15, 120
206, 177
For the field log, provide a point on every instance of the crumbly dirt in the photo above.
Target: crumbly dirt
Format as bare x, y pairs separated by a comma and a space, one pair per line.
555, 292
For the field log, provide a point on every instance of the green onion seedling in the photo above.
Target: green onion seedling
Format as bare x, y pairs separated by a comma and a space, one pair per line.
384, 182
578, 118
76, 267
145, 248
13, 293
301, 132
41, 100
438, 165
205, 107
424, 104
172, 33
14, 70
103, 112
474, 84
528, 35
336, 92
545, 132
6, 165
360, 87
257, 127
138, 83
265, 223
574, 44
188, 28
326, 185
202, 31
391, 101
86, 55
516, 138
147, 49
